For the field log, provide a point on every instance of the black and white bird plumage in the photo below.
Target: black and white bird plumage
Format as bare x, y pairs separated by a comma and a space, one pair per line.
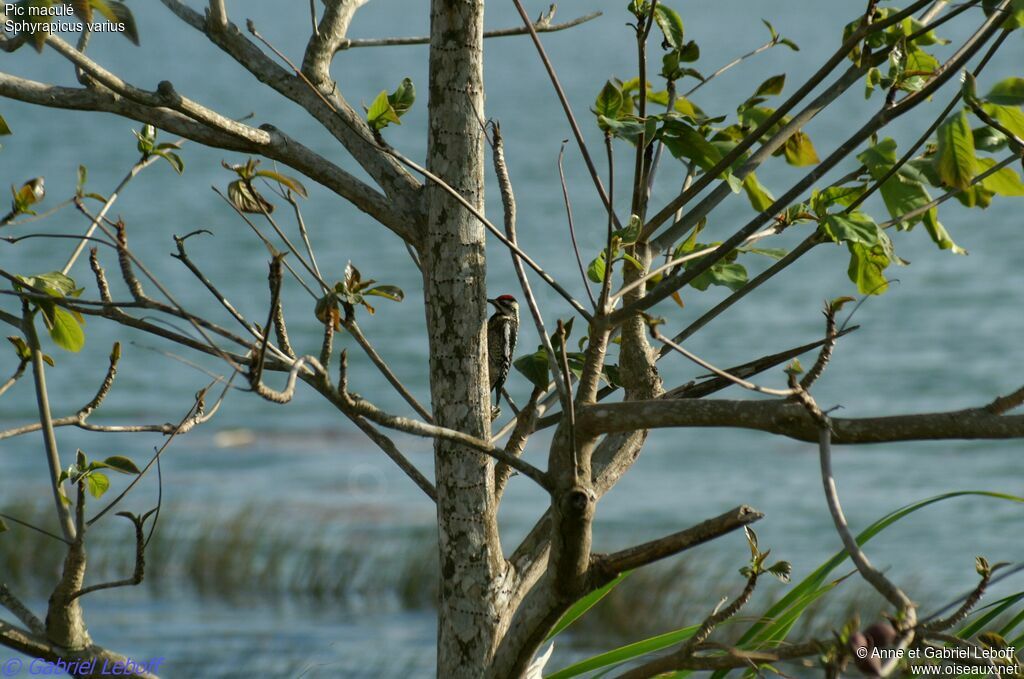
502, 330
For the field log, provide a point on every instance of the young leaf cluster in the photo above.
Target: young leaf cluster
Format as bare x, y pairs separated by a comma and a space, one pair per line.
349, 293
90, 474
64, 326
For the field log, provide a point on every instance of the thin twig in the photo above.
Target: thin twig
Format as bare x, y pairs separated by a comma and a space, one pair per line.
136, 169
46, 422
539, 27
357, 334
721, 373
572, 227
735, 62
18, 372
872, 575
577, 133
21, 611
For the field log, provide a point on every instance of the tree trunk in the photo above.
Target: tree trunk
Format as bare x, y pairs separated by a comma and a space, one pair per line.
456, 305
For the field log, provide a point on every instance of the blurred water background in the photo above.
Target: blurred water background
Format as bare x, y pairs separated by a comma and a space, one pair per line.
289, 545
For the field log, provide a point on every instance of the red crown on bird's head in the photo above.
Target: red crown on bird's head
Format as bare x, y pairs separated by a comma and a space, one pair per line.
505, 298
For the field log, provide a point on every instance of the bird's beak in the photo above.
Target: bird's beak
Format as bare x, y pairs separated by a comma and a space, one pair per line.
493, 301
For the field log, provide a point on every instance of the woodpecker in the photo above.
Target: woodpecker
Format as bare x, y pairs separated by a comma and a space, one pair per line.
502, 330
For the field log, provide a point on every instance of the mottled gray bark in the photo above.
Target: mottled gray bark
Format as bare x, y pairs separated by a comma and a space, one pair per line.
454, 280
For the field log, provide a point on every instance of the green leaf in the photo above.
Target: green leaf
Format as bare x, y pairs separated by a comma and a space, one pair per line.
799, 150
994, 610
732, 276
629, 233
4, 128
392, 292
627, 652
671, 26
683, 141
1010, 117
20, 347
66, 332
637, 264
173, 158
783, 570
774, 253
1005, 182
760, 197
856, 227
403, 97
118, 13
97, 483
988, 139
596, 269
624, 129
248, 199
120, 463
534, 367
772, 627
771, 86
1016, 18
903, 192
83, 176
3, 526
867, 268
821, 201
584, 605
939, 234
53, 283
609, 101
1009, 92
690, 52
291, 182
955, 160
381, 114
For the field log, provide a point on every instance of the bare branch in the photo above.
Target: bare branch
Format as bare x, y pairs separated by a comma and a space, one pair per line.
38, 646
183, 257
279, 146
46, 421
353, 328
670, 545
540, 26
392, 451
524, 425
20, 611
675, 660
721, 373
18, 372
572, 227
515, 249
1005, 404
749, 369
328, 37
140, 560
789, 419
825, 355
969, 603
218, 15
135, 169
874, 577
196, 413
355, 404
